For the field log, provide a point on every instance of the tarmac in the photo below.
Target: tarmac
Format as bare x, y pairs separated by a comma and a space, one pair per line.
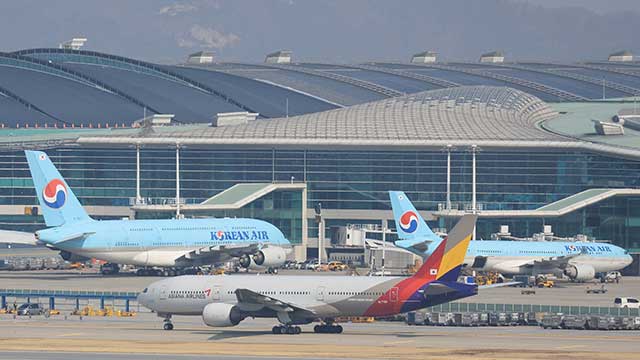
142, 337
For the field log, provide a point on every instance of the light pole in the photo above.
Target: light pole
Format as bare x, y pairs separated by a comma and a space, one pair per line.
177, 181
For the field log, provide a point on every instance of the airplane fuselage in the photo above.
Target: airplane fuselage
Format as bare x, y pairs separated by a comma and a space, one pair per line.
508, 257
158, 242
325, 296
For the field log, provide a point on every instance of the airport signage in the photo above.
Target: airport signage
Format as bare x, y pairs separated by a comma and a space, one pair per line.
239, 235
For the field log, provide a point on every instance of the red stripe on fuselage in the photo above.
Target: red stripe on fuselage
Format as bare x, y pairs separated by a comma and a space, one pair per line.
390, 303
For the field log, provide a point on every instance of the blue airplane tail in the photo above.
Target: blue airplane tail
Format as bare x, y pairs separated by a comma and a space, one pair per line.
413, 231
57, 202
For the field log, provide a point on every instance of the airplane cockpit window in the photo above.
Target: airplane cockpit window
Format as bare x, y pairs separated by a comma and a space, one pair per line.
145, 290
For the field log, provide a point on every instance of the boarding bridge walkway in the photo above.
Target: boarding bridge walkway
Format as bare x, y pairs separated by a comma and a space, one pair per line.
555, 209
232, 198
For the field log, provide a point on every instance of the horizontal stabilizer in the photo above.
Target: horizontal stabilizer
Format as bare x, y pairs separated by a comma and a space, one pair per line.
497, 285
17, 237
418, 247
79, 236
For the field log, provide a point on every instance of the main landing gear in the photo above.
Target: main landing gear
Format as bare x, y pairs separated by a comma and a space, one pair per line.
327, 327
286, 329
167, 323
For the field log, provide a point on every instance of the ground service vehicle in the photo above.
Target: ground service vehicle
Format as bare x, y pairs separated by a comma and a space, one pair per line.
30, 309
626, 302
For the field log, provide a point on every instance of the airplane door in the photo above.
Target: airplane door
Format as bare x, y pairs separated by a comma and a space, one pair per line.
215, 293
163, 292
393, 294
320, 293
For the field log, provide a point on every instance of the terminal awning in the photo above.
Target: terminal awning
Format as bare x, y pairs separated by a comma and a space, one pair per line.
555, 209
233, 198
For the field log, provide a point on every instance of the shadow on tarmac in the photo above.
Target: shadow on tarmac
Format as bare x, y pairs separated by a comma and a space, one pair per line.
232, 334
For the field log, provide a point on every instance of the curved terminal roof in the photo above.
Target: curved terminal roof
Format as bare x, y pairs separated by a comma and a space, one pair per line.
452, 115
63, 86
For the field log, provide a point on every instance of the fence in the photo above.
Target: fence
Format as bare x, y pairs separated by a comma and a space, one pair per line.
102, 297
507, 308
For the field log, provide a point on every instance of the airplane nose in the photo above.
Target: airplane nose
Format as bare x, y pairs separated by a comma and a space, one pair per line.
629, 260
143, 298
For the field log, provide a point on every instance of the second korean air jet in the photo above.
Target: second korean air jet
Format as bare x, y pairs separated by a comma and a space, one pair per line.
170, 244
579, 261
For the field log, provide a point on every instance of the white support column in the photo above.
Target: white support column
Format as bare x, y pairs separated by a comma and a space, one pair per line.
177, 181
473, 178
474, 207
304, 167
320, 241
384, 246
138, 196
449, 148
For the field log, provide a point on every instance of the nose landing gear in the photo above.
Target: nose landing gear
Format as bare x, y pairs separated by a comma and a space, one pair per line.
167, 323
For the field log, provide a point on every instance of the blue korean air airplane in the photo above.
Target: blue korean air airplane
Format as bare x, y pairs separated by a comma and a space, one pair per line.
578, 260
171, 244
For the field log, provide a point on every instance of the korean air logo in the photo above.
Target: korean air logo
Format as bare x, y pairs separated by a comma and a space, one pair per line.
572, 248
218, 235
409, 222
55, 194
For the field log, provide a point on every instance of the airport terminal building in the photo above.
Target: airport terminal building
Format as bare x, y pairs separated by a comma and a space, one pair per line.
538, 137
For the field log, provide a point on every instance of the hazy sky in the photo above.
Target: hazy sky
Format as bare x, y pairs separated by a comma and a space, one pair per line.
332, 30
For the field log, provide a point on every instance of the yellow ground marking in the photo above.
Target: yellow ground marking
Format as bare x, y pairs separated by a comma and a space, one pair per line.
295, 350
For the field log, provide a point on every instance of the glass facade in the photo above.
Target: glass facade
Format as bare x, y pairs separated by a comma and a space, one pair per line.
354, 180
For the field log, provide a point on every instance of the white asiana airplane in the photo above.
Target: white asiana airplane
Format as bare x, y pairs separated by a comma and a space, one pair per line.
294, 300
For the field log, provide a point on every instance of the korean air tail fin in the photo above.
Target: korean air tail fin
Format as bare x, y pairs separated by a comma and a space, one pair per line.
58, 203
445, 262
413, 231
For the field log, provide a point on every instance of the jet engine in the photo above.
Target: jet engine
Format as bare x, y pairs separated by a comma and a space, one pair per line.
580, 272
222, 315
270, 257
246, 261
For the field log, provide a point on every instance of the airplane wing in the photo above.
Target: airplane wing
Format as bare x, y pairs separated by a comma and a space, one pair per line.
251, 299
218, 253
17, 237
559, 262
